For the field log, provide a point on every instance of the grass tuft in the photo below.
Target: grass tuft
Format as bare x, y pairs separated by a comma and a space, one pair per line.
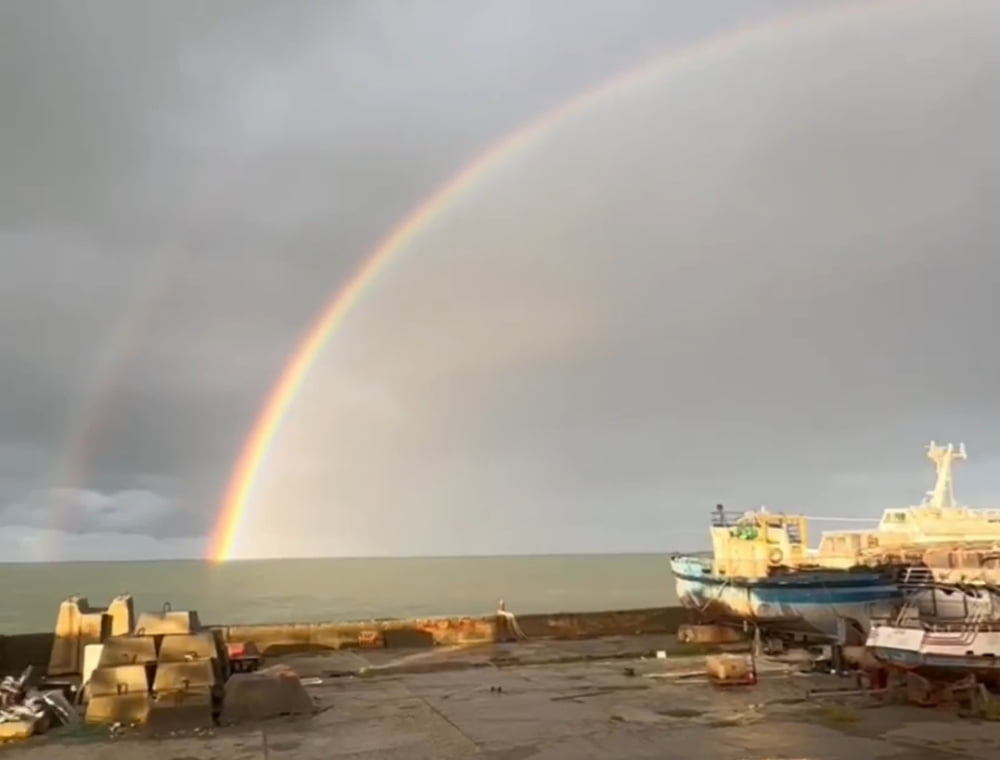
838, 714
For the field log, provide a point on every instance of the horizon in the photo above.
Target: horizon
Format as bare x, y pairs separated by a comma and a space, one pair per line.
249, 560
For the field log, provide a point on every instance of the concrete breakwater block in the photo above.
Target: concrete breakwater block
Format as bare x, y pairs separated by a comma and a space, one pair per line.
265, 694
167, 622
78, 624
180, 711
183, 647
127, 650
119, 679
118, 694
91, 659
126, 708
185, 676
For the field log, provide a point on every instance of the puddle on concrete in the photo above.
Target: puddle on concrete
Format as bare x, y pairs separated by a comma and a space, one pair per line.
599, 692
681, 712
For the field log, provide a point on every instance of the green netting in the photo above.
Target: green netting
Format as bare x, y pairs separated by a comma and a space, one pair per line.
747, 532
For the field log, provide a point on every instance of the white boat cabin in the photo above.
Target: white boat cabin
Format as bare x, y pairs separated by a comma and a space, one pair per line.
938, 520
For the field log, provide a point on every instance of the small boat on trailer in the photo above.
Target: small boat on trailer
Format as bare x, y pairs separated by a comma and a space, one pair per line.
946, 631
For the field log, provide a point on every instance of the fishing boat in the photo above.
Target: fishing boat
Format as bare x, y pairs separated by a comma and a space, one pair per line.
762, 573
945, 631
762, 570
902, 536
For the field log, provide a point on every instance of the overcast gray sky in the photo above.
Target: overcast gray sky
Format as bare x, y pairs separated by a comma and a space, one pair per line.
767, 277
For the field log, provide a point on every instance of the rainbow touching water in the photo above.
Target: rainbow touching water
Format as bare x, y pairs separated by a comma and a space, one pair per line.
255, 449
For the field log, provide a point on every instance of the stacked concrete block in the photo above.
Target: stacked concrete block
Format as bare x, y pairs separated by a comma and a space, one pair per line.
122, 614
183, 647
188, 687
91, 659
163, 669
185, 695
117, 651
167, 672
127, 650
167, 622
77, 625
118, 694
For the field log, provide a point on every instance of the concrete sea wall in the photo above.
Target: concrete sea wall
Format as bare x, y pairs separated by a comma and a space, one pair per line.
452, 631
20, 650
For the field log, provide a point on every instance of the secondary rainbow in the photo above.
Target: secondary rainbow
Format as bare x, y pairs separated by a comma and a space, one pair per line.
73, 470
255, 449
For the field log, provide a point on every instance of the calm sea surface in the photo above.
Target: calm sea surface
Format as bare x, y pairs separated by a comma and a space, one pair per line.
263, 591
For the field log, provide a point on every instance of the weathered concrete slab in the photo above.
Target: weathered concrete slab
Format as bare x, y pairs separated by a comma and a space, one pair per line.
180, 711
269, 693
570, 710
975, 739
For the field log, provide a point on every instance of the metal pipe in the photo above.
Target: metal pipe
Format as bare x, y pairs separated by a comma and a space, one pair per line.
843, 692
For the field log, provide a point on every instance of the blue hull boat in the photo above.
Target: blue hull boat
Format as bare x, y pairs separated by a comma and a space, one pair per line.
823, 604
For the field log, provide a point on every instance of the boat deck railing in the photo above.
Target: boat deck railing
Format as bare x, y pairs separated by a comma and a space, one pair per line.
990, 514
924, 578
941, 626
726, 518
979, 609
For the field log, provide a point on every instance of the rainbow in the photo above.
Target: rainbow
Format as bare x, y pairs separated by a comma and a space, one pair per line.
124, 346
255, 449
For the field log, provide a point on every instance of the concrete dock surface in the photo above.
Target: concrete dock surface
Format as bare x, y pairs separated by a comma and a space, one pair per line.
553, 700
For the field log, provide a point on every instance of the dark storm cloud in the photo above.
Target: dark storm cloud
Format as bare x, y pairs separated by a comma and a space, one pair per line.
777, 287
252, 152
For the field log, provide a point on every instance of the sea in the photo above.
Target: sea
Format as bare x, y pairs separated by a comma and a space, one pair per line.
315, 590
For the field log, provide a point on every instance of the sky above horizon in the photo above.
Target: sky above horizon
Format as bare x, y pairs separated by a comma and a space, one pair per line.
766, 277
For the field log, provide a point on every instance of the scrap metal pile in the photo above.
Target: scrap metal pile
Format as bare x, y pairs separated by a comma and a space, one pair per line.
26, 710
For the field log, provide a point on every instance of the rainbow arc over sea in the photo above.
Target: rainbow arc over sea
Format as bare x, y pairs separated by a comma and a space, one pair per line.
673, 63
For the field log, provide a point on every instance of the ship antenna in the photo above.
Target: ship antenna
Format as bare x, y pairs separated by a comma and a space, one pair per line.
943, 494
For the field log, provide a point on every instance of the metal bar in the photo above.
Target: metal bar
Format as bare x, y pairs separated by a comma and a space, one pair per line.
844, 692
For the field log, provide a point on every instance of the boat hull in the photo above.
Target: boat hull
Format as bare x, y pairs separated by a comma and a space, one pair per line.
822, 604
938, 655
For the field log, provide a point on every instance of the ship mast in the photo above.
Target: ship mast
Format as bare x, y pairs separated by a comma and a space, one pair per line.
943, 495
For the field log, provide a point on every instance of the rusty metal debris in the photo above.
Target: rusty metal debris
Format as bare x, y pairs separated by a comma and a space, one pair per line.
26, 710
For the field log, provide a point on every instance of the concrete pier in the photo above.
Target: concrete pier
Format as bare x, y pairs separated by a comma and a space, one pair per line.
18, 651
552, 700
453, 631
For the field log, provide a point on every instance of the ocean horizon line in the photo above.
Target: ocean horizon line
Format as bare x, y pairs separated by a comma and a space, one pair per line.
355, 557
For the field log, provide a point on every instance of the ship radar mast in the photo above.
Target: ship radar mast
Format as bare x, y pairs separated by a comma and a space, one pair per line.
943, 495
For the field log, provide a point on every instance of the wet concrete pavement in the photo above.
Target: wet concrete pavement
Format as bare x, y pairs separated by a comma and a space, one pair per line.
556, 703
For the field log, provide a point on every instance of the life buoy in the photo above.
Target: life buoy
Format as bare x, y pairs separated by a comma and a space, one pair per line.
775, 557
